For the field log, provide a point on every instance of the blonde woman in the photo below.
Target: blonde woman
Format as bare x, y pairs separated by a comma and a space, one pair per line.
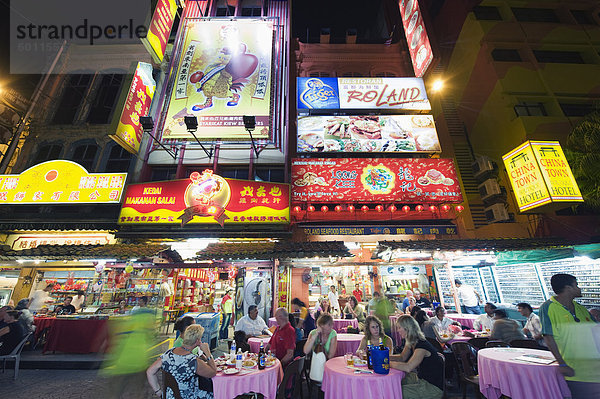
373, 332
184, 366
322, 343
419, 354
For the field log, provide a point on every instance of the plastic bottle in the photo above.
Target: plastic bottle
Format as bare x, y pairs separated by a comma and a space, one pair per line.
238, 359
369, 360
232, 349
262, 357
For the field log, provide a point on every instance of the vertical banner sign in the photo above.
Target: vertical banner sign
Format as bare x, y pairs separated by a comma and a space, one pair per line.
159, 29
283, 286
539, 174
419, 46
239, 292
224, 72
128, 132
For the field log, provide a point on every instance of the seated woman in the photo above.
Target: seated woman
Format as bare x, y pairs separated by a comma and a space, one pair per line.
322, 308
12, 333
184, 366
299, 332
241, 341
374, 333
306, 322
412, 302
321, 341
180, 326
418, 353
353, 310
26, 318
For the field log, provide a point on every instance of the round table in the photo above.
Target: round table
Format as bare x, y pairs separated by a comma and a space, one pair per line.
458, 338
254, 343
263, 381
500, 374
272, 322
348, 343
465, 319
341, 382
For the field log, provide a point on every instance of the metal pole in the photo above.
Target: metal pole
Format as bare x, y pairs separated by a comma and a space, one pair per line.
17, 135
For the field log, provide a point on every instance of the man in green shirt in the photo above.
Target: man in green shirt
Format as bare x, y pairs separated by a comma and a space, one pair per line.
568, 329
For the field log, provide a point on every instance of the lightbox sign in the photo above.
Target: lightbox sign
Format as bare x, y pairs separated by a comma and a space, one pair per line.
417, 39
61, 182
159, 29
129, 131
223, 73
539, 174
370, 230
206, 198
27, 241
409, 180
367, 133
362, 93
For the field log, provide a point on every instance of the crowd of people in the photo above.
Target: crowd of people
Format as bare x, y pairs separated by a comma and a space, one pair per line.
417, 354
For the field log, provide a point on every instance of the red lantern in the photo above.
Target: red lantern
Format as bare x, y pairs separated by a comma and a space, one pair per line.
419, 208
459, 208
433, 208
364, 208
297, 208
310, 208
379, 208
338, 208
445, 207
324, 209
351, 208
392, 208
406, 209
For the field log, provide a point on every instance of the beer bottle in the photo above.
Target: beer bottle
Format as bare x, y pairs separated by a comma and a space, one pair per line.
381, 345
262, 357
369, 359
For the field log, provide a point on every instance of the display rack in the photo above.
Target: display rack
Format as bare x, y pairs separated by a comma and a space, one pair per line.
519, 283
489, 285
467, 274
586, 271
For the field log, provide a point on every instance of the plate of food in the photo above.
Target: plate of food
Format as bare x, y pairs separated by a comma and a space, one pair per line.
365, 127
230, 371
333, 145
416, 39
310, 142
359, 362
248, 364
270, 362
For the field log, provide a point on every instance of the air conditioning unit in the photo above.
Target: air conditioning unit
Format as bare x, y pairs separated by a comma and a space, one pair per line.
489, 188
496, 213
482, 165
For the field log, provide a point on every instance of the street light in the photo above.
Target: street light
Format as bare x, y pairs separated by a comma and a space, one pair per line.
437, 85
147, 126
191, 123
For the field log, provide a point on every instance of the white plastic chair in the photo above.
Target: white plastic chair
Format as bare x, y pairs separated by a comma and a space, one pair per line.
16, 355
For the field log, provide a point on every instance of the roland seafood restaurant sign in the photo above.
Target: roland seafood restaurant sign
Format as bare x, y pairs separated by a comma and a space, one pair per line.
206, 198
539, 175
409, 180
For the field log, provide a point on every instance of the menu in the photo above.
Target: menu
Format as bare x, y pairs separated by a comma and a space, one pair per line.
585, 270
519, 283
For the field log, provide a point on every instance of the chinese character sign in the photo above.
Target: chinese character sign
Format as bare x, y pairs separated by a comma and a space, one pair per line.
417, 39
539, 174
374, 180
137, 103
206, 198
61, 182
160, 28
224, 72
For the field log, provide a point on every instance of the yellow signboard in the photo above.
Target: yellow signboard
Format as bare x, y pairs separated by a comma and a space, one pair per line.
61, 182
539, 174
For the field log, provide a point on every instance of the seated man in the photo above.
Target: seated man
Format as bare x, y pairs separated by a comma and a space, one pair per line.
66, 307
12, 334
252, 324
283, 341
485, 321
504, 328
421, 301
440, 322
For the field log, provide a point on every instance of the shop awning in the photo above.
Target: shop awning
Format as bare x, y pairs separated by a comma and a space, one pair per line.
72, 252
273, 250
499, 244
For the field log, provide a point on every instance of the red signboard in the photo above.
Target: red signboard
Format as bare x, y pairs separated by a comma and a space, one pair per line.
206, 198
160, 29
416, 36
408, 180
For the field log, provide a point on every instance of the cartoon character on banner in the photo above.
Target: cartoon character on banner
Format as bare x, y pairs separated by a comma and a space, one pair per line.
212, 276
206, 195
227, 74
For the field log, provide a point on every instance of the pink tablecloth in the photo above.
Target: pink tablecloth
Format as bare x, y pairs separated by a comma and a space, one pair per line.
341, 382
395, 333
347, 343
272, 322
465, 319
339, 325
458, 338
262, 381
254, 343
500, 375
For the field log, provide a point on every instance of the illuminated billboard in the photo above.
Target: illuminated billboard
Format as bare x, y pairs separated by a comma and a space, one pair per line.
223, 73
539, 174
159, 29
417, 39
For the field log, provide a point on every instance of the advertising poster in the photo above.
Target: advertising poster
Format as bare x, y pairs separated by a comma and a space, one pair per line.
206, 198
417, 39
61, 182
539, 174
408, 180
129, 131
224, 73
368, 133
159, 29
362, 93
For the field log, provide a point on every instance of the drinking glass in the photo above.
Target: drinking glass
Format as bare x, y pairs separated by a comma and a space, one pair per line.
348, 357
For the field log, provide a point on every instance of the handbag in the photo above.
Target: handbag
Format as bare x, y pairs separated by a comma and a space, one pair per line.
317, 366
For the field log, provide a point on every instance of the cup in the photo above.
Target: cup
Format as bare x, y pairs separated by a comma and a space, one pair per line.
349, 360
